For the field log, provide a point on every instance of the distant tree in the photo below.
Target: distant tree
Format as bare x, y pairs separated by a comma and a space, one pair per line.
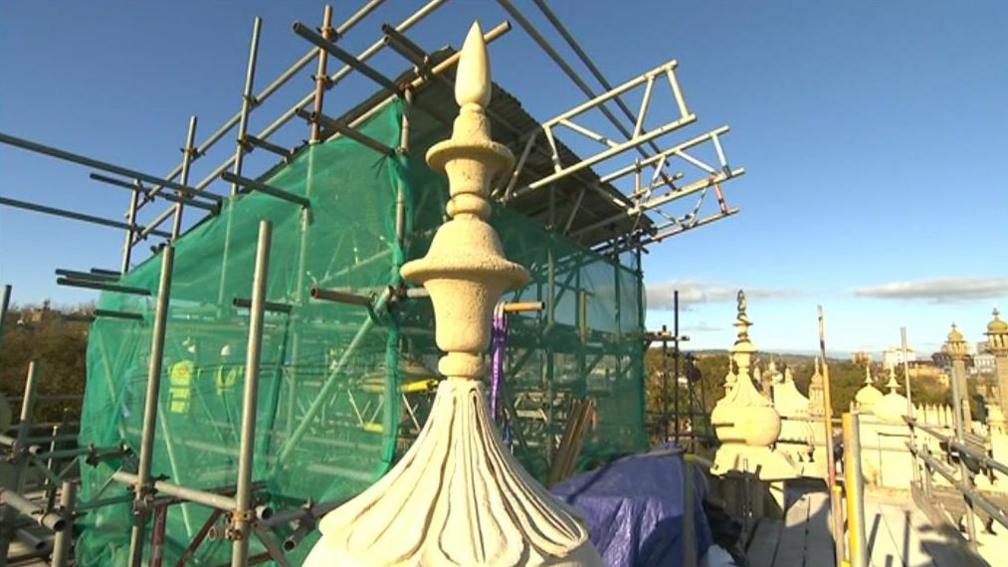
59, 348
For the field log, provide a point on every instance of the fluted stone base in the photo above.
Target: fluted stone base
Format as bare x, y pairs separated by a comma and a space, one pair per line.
456, 498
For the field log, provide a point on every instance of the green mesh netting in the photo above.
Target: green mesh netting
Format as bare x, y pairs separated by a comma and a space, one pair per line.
343, 391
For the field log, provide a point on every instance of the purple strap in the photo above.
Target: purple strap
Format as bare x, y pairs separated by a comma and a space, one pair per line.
498, 342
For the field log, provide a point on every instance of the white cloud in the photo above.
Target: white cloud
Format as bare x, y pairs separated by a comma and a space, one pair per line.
659, 294
939, 290
702, 327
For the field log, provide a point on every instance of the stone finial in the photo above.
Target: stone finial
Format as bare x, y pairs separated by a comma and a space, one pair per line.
997, 335
458, 497
892, 384
956, 346
472, 81
745, 420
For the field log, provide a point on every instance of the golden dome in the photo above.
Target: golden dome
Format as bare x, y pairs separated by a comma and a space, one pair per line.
954, 335
997, 326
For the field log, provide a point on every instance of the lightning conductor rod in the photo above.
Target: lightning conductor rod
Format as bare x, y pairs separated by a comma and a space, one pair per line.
248, 102
187, 156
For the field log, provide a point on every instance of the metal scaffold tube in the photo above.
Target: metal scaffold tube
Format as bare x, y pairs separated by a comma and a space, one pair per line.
333, 79
61, 553
187, 156
5, 296
854, 489
325, 393
104, 166
831, 483
267, 91
559, 60
150, 229
247, 102
243, 491
142, 486
131, 212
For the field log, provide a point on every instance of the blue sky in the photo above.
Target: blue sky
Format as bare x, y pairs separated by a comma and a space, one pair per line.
872, 134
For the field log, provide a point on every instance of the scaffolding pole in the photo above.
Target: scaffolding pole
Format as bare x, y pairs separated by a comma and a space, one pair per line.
333, 79
187, 157
243, 491
104, 166
12, 498
5, 296
268, 90
80, 216
247, 103
836, 514
142, 487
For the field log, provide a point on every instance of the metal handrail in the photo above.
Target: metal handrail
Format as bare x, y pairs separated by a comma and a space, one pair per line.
971, 495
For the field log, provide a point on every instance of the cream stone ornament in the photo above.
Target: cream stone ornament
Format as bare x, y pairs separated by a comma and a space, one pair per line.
458, 497
744, 420
892, 407
868, 395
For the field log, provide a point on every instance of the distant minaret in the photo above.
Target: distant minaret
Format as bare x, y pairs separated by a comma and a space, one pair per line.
997, 344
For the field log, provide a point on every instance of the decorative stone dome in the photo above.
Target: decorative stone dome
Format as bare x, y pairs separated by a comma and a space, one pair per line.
954, 335
893, 406
868, 395
997, 326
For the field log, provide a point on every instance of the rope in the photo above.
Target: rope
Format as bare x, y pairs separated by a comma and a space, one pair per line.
498, 346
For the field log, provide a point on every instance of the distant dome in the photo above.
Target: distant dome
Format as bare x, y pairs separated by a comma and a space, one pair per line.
997, 326
954, 335
893, 406
867, 397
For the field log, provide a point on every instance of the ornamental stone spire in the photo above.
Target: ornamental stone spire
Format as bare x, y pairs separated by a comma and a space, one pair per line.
458, 497
744, 420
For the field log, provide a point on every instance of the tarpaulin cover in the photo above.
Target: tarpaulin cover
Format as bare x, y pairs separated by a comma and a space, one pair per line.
634, 509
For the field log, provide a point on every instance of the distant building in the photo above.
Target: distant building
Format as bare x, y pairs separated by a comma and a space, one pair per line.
860, 358
892, 357
984, 363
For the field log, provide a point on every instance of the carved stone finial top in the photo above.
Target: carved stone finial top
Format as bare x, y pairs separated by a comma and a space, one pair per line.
458, 496
472, 81
892, 384
997, 326
955, 346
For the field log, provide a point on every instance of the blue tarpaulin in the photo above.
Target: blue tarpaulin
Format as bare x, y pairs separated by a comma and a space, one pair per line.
634, 508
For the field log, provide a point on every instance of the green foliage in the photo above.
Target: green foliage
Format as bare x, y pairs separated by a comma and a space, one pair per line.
57, 345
